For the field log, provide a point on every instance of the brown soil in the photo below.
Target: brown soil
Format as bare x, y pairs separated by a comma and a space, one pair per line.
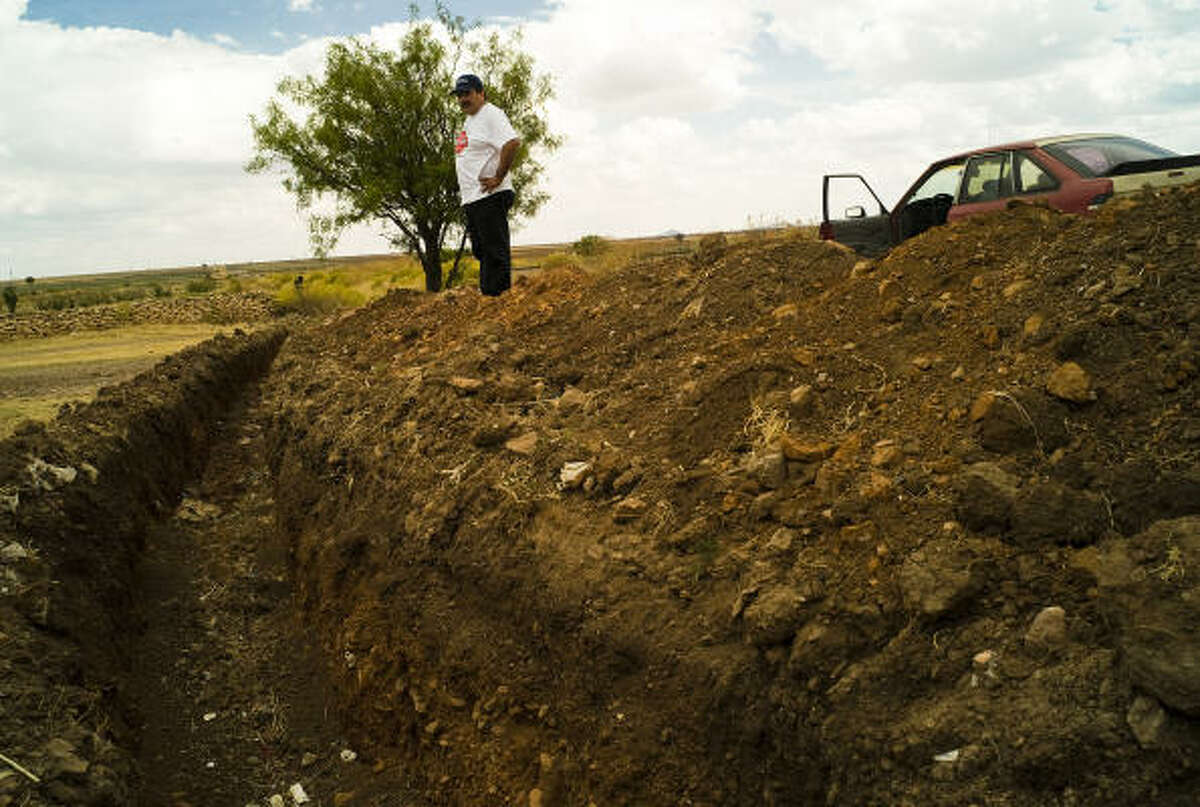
917, 531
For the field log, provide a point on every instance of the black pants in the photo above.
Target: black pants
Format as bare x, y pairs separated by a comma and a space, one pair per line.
487, 224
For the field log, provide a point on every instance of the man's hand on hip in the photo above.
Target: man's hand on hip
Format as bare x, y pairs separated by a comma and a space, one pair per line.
490, 184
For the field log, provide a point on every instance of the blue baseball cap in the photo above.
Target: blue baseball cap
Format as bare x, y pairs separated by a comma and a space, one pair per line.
467, 82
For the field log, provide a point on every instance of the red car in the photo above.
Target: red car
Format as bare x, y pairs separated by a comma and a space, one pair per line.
1074, 174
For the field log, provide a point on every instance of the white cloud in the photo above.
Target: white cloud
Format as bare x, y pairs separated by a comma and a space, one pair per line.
629, 57
302, 5
129, 149
226, 40
11, 11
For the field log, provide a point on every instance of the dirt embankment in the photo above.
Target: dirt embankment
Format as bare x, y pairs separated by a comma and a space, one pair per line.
219, 308
773, 526
76, 498
768, 526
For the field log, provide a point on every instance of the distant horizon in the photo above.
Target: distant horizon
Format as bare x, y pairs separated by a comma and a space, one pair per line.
184, 267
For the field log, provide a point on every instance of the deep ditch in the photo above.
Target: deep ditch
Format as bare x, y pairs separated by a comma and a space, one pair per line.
82, 500
149, 649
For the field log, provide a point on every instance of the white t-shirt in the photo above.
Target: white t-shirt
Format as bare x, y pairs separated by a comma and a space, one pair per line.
477, 151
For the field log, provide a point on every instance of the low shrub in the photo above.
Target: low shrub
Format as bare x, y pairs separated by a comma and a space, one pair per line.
590, 246
318, 295
201, 285
468, 272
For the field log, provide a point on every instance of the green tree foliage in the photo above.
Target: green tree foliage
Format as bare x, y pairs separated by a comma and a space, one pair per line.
10, 299
378, 134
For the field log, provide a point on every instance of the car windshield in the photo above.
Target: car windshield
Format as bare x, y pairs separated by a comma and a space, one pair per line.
942, 180
1097, 156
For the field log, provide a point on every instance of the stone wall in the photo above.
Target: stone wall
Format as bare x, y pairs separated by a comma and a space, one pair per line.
221, 308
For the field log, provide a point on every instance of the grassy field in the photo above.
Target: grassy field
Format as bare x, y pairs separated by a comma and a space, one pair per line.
39, 375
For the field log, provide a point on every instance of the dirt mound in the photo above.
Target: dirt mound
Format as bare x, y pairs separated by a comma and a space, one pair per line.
768, 525
220, 308
773, 525
75, 500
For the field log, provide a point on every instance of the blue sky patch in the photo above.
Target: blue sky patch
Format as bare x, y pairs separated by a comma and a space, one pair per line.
264, 26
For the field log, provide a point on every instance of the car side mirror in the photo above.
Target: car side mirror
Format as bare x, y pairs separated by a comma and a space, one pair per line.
856, 212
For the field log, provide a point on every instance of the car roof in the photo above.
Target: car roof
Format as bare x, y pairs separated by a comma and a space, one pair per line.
1028, 144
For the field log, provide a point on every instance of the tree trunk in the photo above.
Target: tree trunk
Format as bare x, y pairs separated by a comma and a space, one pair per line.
431, 262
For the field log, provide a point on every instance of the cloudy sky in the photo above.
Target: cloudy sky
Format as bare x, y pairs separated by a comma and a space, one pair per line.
123, 123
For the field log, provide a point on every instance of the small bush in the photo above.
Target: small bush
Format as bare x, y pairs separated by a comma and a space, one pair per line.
710, 249
10, 299
590, 246
55, 302
201, 285
318, 295
468, 269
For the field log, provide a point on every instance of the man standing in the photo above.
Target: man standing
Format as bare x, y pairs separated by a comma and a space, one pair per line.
483, 154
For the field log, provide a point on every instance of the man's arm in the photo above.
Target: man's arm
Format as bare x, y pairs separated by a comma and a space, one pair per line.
507, 153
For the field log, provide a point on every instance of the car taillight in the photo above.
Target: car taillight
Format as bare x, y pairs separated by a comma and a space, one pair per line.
825, 231
1098, 200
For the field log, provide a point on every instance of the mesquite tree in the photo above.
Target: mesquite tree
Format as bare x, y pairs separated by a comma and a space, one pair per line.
377, 136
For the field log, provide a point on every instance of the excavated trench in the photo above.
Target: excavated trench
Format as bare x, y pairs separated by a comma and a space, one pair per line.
148, 653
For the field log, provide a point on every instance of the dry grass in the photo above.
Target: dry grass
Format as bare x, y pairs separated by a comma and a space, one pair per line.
37, 376
764, 425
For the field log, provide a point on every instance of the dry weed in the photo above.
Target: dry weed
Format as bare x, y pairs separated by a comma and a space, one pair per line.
764, 425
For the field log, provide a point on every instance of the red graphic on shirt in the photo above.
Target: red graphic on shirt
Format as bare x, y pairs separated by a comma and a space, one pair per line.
460, 142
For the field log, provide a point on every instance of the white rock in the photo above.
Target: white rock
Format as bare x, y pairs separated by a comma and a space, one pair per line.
14, 551
1049, 628
348, 755
48, 477
298, 794
573, 474
275, 800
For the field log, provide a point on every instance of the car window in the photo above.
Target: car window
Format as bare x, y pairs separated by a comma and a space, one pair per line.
1096, 156
988, 177
943, 180
1031, 177
849, 196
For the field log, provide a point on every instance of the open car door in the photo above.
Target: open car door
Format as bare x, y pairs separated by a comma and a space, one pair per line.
864, 224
